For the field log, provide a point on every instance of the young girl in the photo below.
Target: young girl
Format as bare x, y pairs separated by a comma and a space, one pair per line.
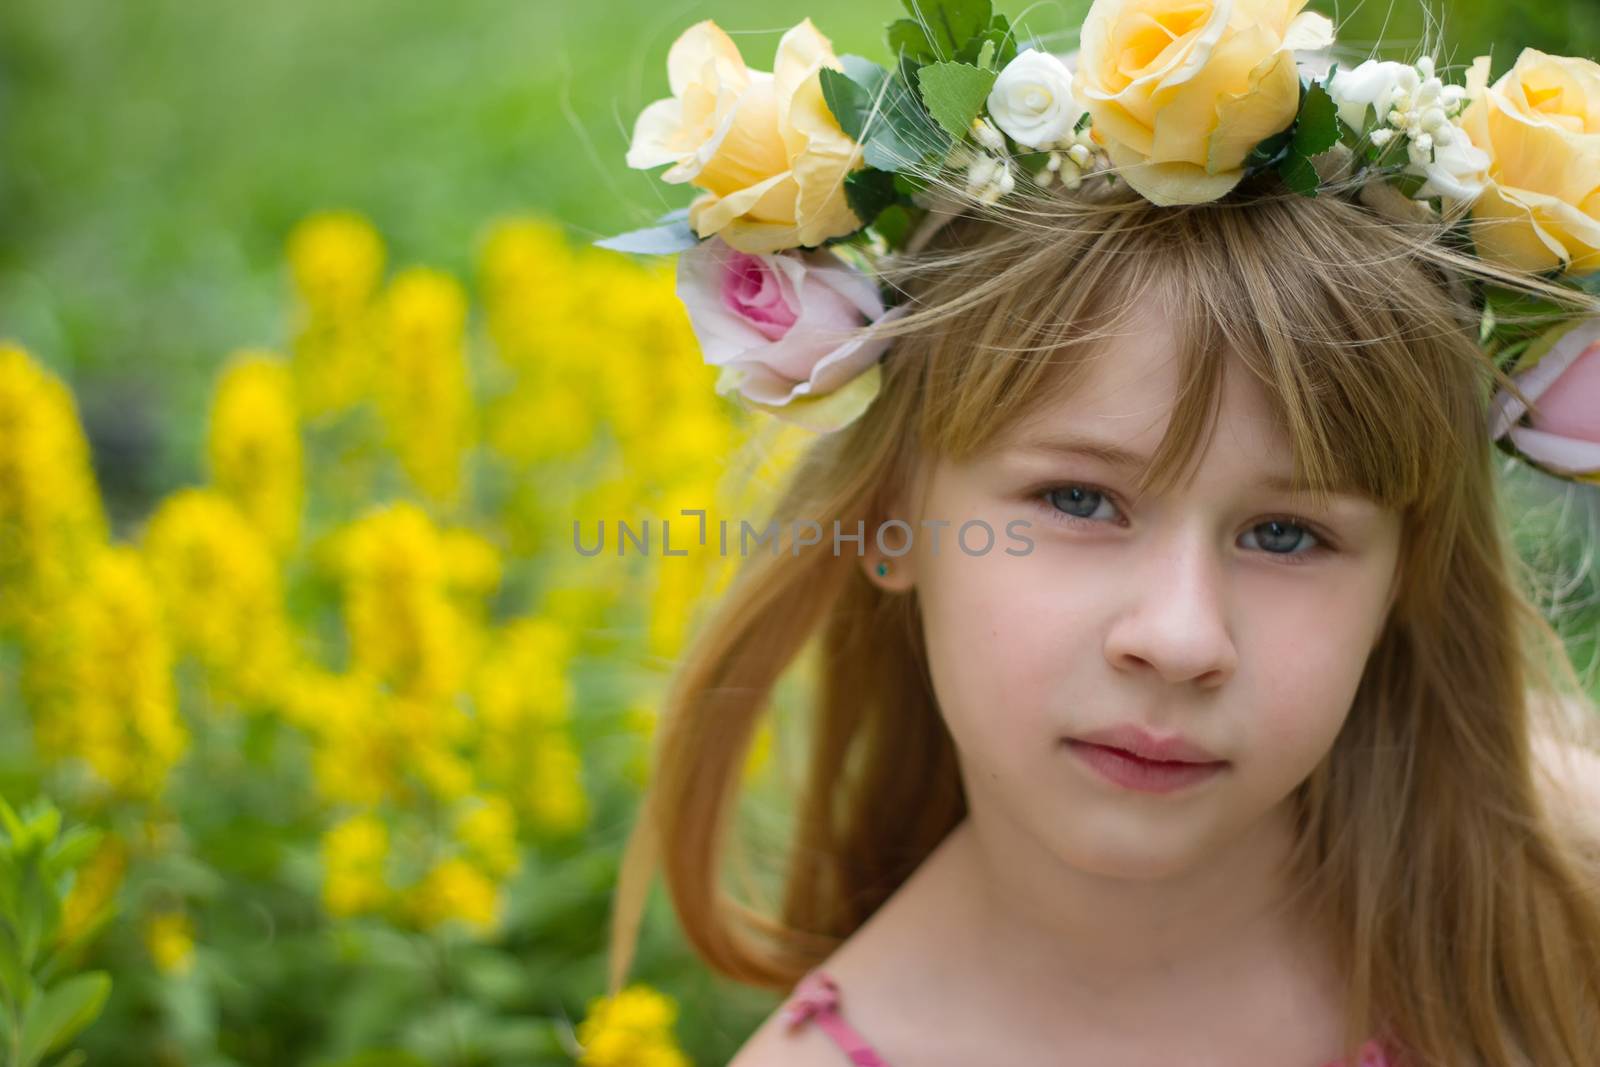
1192, 707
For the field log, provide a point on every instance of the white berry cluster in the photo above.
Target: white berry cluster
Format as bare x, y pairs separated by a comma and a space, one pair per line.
989, 176
1414, 103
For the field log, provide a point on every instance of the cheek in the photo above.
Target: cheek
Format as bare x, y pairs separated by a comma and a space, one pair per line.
997, 647
1305, 661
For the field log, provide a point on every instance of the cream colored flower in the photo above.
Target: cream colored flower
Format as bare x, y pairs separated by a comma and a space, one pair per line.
765, 147
1540, 125
1182, 91
1032, 100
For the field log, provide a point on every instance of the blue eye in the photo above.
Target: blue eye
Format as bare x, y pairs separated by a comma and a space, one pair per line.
1077, 501
1284, 533
1078, 504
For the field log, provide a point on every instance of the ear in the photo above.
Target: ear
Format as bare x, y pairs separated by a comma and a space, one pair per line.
893, 574
893, 571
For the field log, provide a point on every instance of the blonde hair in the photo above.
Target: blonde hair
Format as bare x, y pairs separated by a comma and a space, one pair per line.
1467, 919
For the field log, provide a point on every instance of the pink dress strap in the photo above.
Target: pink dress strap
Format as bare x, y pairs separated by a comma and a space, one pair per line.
816, 997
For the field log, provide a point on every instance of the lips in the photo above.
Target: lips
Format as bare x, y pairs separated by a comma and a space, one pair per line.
1147, 746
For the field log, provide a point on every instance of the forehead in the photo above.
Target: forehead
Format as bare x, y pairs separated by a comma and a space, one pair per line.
1126, 389
1117, 406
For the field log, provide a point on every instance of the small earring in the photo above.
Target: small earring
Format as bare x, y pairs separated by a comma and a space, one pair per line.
883, 569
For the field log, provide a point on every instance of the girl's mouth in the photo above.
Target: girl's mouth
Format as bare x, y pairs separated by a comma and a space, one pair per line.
1146, 776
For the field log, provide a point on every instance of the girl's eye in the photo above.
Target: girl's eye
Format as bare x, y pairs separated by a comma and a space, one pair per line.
1078, 501
1285, 534
1078, 504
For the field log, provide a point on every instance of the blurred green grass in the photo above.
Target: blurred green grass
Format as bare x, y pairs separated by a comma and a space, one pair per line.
154, 155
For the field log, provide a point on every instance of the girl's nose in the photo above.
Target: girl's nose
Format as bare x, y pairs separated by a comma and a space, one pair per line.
1175, 617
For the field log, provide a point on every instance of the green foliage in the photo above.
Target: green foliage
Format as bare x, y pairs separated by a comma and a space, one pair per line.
954, 94
896, 131
869, 192
944, 26
41, 1013
852, 95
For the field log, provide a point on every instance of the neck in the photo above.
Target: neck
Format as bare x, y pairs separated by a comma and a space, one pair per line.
1106, 940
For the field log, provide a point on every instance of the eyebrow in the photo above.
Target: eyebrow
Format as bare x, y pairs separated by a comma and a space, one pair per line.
1117, 456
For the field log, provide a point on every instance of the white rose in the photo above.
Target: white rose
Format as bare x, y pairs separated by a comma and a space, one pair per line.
1032, 100
1372, 84
1458, 171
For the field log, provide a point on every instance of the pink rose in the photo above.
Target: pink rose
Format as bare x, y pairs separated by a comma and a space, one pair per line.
1564, 385
785, 327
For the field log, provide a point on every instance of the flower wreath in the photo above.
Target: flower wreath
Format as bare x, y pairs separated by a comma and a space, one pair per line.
837, 154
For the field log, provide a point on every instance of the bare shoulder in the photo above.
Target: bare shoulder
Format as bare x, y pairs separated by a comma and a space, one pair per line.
774, 1045
1571, 776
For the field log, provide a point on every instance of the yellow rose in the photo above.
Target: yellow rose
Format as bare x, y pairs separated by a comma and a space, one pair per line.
1540, 125
1181, 91
765, 147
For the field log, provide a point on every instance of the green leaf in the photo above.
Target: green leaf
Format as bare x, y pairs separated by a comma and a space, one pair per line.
954, 94
1005, 41
950, 24
996, 36
12, 976
72, 850
879, 111
894, 225
61, 1013
1588, 283
13, 825
850, 102
909, 185
907, 38
869, 192
1298, 174
1509, 357
902, 136
1317, 128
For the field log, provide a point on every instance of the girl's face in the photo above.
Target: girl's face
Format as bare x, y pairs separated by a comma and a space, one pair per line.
1203, 613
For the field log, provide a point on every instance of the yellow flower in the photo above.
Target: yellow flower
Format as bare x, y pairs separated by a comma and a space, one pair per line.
765, 146
488, 832
169, 938
99, 678
1540, 125
336, 259
405, 617
522, 684
353, 855
631, 1029
51, 520
456, 890
554, 792
1181, 91
423, 389
355, 759
253, 444
525, 273
220, 584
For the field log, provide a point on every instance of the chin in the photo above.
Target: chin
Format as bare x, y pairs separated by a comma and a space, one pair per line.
1131, 859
